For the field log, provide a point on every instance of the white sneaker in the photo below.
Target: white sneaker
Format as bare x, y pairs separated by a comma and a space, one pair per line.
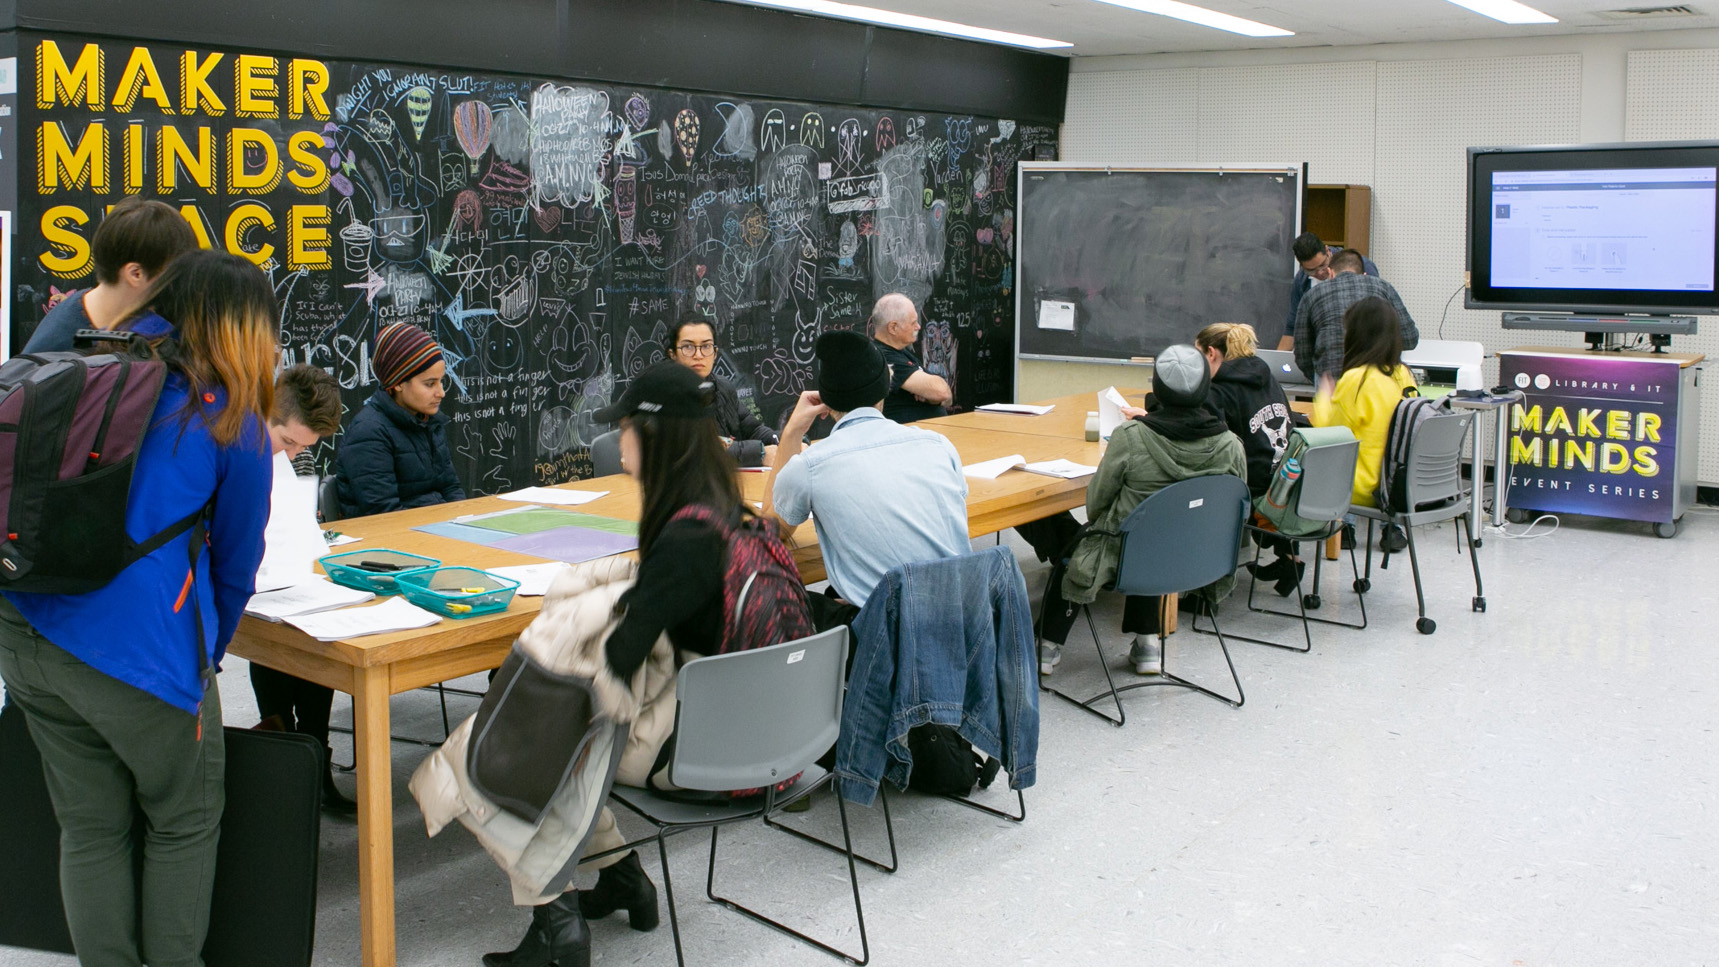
1049, 656
1146, 655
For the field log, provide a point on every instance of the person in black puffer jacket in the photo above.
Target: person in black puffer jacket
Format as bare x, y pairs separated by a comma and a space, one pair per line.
395, 453
692, 343
1246, 395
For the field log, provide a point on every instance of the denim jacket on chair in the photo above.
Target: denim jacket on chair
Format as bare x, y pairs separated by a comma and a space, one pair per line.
947, 641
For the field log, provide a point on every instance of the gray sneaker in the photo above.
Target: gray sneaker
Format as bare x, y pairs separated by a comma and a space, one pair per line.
1049, 656
1146, 655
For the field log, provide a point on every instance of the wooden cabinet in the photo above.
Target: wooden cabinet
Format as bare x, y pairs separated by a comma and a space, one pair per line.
1339, 214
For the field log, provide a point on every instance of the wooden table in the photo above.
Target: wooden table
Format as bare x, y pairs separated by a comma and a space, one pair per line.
1067, 421
375, 667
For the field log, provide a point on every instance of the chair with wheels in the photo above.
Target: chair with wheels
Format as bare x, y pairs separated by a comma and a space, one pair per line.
1436, 493
748, 720
606, 454
1179, 539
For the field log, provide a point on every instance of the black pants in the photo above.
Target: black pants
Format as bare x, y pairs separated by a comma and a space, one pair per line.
303, 706
1139, 612
1051, 535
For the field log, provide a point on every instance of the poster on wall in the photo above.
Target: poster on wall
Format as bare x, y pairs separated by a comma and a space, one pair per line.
1593, 435
548, 233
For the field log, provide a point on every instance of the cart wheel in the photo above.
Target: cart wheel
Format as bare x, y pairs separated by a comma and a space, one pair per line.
1363, 585
1480, 603
1426, 626
1515, 515
1311, 602
1666, 529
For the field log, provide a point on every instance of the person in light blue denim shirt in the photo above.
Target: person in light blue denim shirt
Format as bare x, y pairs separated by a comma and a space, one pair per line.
881, 494
947, 641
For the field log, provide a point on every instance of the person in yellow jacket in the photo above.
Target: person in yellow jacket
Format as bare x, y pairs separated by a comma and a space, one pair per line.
1373, 382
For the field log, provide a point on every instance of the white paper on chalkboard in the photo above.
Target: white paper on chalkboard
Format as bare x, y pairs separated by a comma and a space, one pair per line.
1056, 315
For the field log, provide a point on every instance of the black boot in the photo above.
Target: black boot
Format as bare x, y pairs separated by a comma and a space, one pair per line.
557, 937
334, 802
1289, 578
623, 886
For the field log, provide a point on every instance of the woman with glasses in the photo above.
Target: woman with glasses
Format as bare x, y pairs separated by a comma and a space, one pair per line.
692, 343
395, 454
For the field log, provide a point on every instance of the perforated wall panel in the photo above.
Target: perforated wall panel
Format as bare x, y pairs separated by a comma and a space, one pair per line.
1318, 113
1673, 95
1133, 117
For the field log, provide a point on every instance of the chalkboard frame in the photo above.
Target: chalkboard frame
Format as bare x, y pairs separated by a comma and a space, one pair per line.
1024, 315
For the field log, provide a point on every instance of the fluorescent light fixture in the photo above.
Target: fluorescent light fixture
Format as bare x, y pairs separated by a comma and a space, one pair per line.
1508, 11
890, 18
1204, 17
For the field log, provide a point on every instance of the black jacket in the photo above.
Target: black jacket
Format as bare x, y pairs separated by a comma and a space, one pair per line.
737, 422
1245, 395
391, 459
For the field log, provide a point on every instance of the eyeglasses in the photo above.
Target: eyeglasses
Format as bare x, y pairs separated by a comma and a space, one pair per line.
696, 349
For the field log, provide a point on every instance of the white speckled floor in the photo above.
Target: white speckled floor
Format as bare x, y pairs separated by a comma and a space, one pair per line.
1532, 786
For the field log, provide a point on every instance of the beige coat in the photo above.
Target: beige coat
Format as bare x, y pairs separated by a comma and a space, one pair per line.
567, 638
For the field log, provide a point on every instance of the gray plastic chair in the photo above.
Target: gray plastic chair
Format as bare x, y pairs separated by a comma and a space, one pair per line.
1180, 539
1436, 493
1327, 483
606, 454
746, 720
327, 500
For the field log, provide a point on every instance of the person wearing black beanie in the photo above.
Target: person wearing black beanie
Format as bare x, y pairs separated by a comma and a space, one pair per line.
881, 494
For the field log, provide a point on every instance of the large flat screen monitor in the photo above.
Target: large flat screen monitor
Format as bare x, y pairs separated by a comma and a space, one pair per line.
1604, 228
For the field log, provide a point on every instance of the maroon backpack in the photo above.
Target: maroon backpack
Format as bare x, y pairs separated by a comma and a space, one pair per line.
763, 599
70, 428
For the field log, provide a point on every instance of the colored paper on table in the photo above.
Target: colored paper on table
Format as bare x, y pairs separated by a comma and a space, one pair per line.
570, 544
464, 532
532, 520
553, 495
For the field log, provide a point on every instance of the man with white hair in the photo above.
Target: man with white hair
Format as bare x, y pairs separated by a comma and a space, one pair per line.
914, 394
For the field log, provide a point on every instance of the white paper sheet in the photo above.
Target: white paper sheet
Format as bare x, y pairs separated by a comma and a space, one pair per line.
1066, 469
292, 539
992, 469
1026, 409
395, 614
307, 598
534, 579
552, 495
1110, 404
1056, 315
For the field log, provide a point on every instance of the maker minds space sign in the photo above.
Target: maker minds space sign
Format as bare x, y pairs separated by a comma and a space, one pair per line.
1594, 435
236, 142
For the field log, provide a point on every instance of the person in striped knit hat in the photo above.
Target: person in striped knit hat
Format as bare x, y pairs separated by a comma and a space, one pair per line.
395, 453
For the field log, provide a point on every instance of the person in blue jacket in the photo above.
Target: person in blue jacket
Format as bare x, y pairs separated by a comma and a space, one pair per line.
395, 453
124, 709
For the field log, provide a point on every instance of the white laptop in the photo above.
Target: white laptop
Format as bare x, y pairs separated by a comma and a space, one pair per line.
1282, 363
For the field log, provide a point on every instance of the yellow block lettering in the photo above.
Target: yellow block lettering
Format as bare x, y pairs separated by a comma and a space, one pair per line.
60, 166
307, 237
310, 173
1614, 458
239, 224
172, 150
254, 90
136, 141
1530, 453
199, 227
1582, 453
261, 182
1559, 418
140, 78
1586, 422
194, 90
1617, 424
68, 252
309, 84
1645, 464
1647, 426
1525, 419
59, 82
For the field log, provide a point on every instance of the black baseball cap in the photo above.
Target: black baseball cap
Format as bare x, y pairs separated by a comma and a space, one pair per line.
662, 389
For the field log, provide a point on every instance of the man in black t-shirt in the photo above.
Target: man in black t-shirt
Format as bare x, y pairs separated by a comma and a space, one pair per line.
914, 394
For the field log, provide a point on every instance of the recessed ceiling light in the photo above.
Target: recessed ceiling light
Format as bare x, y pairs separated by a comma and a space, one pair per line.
1203, 17
890, 18
1508, 11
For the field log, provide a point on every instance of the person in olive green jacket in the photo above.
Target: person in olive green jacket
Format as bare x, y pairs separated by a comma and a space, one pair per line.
1177, 440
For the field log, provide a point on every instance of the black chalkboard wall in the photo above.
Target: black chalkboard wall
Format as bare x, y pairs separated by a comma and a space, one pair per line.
1149, 257
546, 232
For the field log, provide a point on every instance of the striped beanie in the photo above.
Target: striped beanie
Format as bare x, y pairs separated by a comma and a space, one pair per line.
402, 351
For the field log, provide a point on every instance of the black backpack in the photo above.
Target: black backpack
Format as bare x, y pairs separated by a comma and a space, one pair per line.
944, 763
70, 428
1392, 492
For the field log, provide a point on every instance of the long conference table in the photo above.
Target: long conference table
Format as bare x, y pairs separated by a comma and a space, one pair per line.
374, 668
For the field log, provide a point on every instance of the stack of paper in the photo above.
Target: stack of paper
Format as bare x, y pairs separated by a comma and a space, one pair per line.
309, 597
1026, 409
551, 495
992, 469
1110, 404
534, 579
395, 614
292, 540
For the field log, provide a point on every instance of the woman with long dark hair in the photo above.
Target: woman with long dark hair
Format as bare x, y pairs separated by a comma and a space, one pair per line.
125, 711
691, 519
1374, 381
